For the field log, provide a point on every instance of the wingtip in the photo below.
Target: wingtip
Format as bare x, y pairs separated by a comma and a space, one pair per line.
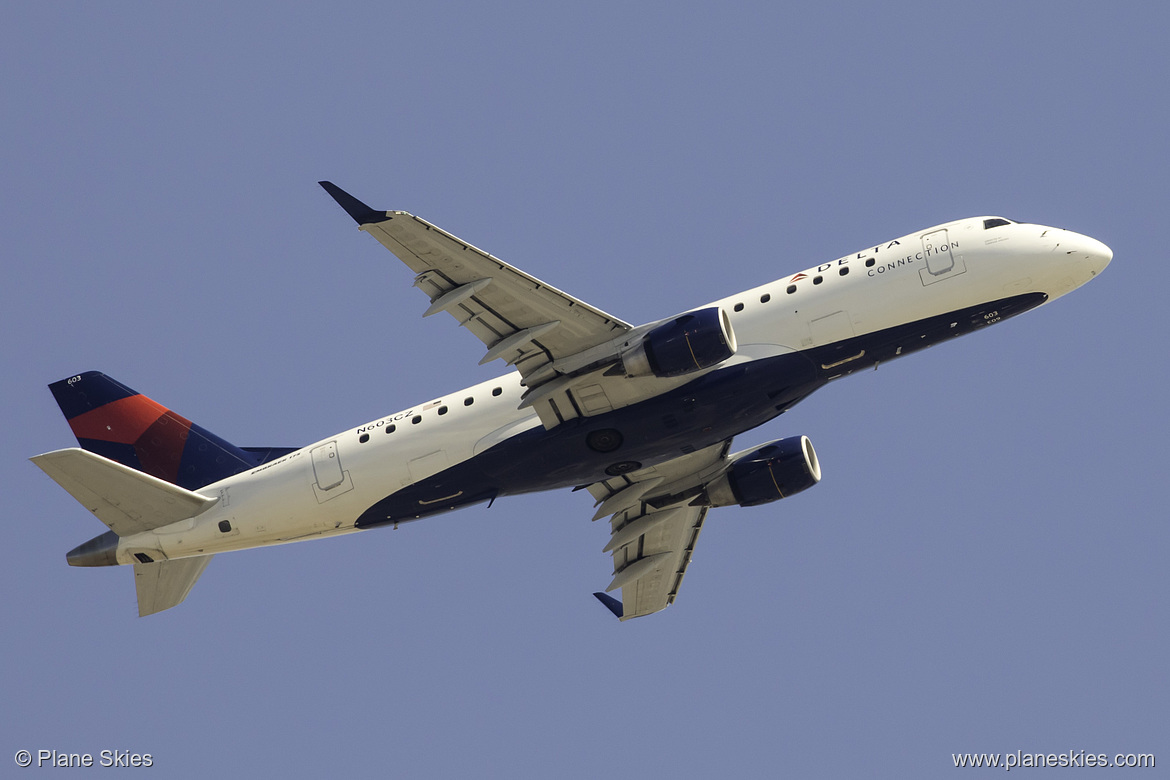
610, 603
361, 213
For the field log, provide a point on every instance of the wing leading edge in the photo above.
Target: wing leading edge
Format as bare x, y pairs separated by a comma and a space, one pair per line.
520, 319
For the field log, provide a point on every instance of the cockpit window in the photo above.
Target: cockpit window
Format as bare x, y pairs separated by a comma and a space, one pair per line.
995, 222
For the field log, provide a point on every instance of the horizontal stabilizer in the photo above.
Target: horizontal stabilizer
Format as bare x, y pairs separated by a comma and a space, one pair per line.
164, 584
125, 499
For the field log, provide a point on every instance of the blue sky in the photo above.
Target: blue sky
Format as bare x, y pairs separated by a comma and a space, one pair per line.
982, 569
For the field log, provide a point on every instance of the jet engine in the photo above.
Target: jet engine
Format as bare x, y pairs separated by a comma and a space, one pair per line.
777, 470
689, 342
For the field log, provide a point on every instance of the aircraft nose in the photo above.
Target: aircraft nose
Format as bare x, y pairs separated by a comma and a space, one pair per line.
1099, 254
1090, 249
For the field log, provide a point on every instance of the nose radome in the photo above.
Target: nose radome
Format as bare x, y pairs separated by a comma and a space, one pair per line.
1099, 254
1079, 247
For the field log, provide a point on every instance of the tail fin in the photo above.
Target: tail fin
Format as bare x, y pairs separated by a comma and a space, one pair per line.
111, 420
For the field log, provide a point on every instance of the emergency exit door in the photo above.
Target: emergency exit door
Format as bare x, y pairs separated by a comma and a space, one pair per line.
940, 258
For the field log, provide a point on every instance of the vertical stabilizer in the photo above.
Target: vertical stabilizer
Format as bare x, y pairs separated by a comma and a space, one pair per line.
113, 421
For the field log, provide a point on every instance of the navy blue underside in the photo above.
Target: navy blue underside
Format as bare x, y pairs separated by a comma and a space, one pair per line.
711, 409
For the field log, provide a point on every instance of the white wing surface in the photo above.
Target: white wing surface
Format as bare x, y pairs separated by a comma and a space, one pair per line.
564, 348
520, 319
652, 541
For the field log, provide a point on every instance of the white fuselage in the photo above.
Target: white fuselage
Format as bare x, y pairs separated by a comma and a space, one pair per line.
322, 489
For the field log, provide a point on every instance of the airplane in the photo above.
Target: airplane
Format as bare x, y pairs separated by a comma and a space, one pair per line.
642, 417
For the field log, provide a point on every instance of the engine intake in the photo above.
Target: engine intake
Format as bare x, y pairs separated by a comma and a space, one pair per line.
777, 470
690, 342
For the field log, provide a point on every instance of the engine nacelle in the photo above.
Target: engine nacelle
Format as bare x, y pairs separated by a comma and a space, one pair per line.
689, 342
777, 470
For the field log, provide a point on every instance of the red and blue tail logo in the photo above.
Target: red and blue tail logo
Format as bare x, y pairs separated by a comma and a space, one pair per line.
113, 421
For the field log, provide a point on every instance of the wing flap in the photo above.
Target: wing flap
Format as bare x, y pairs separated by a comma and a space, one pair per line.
663, 553
126, 500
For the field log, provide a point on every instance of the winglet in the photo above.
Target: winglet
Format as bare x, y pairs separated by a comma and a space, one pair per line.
361, 213
612, 604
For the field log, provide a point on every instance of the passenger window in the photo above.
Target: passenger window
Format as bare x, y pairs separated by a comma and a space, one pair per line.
869, 262
365, 437
468, 401
818, 279
791, 289
390, 428
739, 307
497, 391
442, 410
765, 298
416, 419
844, 270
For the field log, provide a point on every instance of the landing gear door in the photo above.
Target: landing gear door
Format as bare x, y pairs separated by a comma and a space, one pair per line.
941, 261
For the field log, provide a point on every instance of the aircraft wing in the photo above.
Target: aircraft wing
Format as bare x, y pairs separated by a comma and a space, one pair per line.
652, 541
527, 323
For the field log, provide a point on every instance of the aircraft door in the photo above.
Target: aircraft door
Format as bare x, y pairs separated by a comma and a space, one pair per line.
941, 263
327, 466
331, 480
